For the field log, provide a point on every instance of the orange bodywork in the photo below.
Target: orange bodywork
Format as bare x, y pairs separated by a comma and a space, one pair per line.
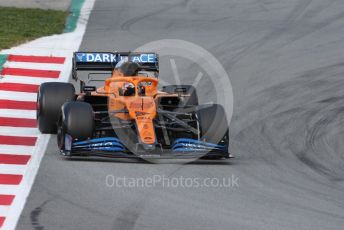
141, 108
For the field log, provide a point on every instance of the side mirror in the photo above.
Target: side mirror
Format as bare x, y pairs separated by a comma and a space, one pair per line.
88, 89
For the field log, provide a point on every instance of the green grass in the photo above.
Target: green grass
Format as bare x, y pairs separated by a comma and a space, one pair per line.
22, 25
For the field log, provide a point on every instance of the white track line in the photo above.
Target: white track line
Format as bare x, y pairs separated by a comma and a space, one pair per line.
31, 65
4, 210
8, 189
24, 189
9, 149
26, 80
18, 131
18, 96
17, 152
17, 113
12, 169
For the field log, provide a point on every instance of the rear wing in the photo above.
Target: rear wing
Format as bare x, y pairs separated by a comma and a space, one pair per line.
106, 61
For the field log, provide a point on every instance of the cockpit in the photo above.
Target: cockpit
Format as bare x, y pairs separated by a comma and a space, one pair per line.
129, 69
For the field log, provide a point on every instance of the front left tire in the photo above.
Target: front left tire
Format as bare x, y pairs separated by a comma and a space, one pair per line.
51, 96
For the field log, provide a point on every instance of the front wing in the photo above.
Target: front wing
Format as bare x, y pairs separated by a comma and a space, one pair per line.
114, 148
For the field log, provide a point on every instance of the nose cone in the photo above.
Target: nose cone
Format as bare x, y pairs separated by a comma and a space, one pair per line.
148, 147
146, 131
143, 110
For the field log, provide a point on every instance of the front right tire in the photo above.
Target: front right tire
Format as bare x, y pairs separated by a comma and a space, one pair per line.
77, 120
213, 126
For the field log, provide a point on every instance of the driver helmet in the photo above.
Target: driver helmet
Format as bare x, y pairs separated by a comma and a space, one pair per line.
128, 68
128, 89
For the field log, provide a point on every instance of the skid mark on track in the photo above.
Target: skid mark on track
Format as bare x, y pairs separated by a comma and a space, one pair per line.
128, 217
310, 29
276, 33
306, 113
127, 24
298, 10
34, 216
59, 197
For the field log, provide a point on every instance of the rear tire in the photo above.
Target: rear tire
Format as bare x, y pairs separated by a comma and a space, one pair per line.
50, 98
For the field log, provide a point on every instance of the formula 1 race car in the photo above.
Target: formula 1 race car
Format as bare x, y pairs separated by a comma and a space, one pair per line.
127, 116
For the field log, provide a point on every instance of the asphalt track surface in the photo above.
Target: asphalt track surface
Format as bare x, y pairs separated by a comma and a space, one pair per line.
285, 61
